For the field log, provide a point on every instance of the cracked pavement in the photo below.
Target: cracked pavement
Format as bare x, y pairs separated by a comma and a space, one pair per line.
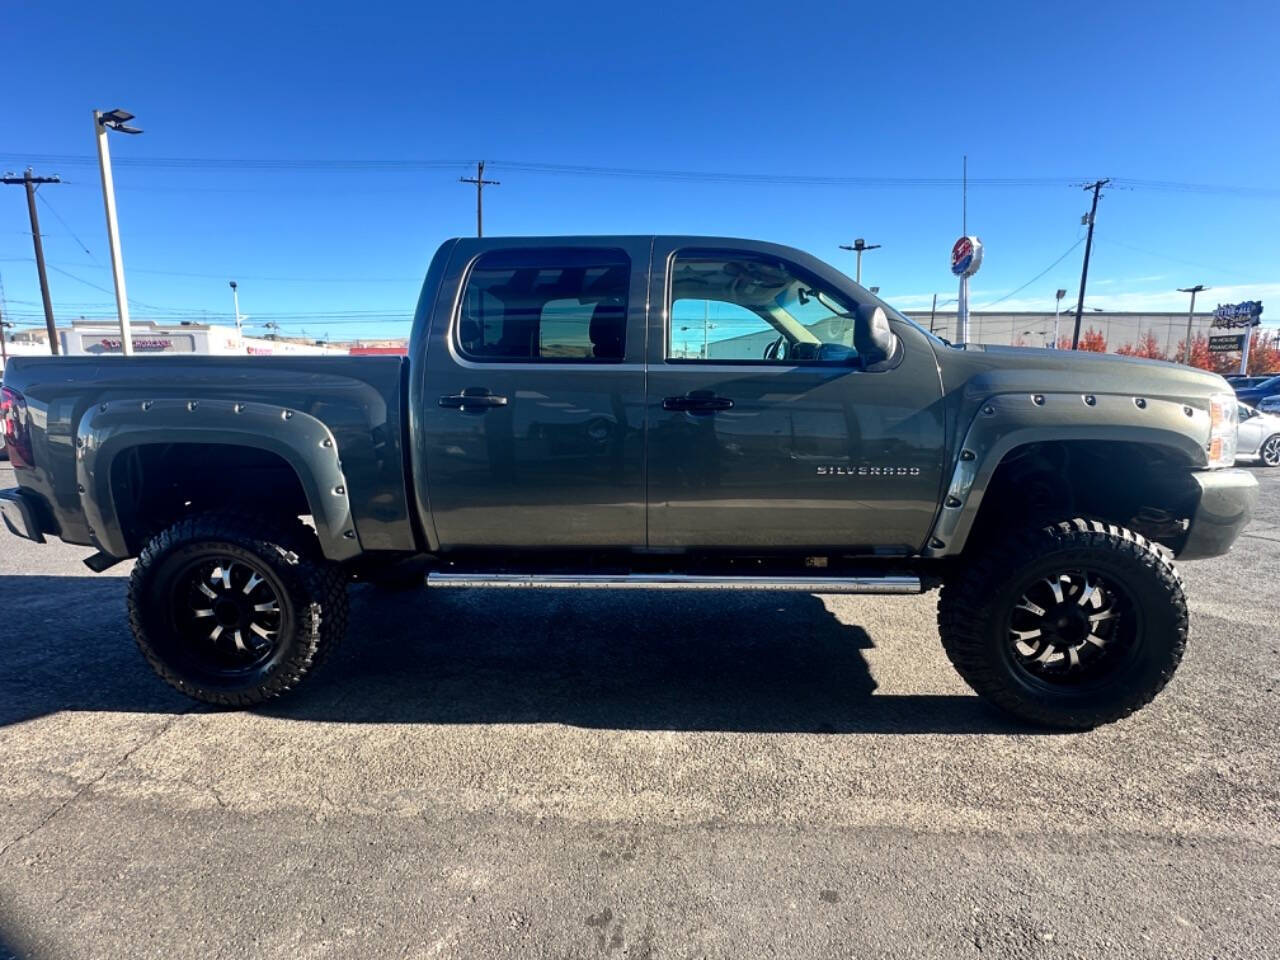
633, 775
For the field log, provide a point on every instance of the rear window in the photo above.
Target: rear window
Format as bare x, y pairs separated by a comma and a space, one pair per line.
551, 305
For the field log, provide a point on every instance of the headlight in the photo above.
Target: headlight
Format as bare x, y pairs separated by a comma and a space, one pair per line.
1223, 427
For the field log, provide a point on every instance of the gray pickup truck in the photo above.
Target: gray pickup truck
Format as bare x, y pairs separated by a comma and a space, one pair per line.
644, 412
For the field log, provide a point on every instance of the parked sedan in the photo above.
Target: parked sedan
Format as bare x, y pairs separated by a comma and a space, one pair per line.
1252, 394
1259, 436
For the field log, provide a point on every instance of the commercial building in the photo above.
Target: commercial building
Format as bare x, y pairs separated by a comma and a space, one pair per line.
1036, 329
102, 338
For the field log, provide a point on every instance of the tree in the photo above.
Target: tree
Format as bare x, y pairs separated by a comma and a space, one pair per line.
1093, 341
1264, 353
1147, 346
1201, 356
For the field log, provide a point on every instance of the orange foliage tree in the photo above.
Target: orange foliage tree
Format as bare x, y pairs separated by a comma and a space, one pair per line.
1264, 353
1093, 341
1147, 346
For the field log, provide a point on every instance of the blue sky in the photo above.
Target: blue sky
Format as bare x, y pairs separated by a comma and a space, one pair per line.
1182, 93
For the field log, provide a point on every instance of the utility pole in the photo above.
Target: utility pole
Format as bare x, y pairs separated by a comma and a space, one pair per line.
4, 350
857, 247
933, 312
1096, 187
480, 183
1198, 288
31, 182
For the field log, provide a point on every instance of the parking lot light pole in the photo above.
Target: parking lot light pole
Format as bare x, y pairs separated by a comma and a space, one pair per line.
1057, 314
1198, 288
857, 247
102, 122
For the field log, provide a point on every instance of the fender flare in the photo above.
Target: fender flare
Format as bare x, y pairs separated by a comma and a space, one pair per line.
107, 430
1008, 421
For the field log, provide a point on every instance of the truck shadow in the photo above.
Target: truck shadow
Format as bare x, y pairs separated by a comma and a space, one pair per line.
648, 660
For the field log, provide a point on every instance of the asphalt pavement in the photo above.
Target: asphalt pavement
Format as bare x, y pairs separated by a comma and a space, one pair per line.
555, 774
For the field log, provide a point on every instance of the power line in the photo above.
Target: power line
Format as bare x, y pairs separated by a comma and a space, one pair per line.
66, 226
987, 306
567, 169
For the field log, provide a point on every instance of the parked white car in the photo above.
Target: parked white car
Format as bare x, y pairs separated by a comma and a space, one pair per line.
1259, 434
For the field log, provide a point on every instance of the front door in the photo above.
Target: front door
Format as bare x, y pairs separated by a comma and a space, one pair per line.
765, 429
533, 418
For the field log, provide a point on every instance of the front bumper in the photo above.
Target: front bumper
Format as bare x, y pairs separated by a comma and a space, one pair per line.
19, 512
1223, 508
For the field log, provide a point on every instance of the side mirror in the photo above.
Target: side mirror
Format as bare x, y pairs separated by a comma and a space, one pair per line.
872, 336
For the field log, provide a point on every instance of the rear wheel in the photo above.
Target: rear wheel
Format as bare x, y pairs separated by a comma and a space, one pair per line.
235, 611
1073, 625
1270, 451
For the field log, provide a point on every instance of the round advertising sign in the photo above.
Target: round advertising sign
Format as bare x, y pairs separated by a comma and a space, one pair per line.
966, 256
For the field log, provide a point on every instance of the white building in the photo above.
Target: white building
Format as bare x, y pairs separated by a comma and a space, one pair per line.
102, 338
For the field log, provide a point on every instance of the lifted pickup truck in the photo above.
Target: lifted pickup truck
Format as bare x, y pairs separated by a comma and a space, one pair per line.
645, 412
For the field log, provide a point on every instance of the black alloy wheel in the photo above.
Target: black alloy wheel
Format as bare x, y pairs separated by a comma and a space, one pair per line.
1270, 451
1072, 625
235, 610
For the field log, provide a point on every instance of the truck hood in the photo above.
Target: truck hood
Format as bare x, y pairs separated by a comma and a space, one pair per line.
985, 369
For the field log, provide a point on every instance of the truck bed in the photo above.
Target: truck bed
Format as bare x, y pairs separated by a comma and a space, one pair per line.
355, 404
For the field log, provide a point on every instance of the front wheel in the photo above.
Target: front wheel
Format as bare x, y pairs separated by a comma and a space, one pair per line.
235, 611
1074, 625
1269, 452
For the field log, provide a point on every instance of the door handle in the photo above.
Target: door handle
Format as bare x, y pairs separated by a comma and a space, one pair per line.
472, 400
697, 403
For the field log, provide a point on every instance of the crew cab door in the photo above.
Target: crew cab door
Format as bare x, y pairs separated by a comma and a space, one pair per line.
766, 430
534, 404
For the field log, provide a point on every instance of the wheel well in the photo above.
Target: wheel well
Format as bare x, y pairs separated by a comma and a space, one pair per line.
1144, 487
155, 485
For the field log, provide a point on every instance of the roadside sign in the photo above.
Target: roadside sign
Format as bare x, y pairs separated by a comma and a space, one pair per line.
1231, 315
1226, 344
966, 256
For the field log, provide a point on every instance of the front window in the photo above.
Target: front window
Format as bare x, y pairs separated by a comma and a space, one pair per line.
744, 307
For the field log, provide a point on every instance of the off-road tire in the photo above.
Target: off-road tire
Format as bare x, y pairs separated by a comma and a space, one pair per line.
974, 604
312, 589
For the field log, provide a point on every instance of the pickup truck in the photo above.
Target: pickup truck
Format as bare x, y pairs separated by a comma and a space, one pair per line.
663, 412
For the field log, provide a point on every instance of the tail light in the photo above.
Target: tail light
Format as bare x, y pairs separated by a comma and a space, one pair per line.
17, 429
1224, 423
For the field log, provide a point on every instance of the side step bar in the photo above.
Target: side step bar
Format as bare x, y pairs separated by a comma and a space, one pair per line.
897, 583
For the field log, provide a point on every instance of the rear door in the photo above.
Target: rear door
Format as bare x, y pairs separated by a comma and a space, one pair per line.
765, 431
535, 395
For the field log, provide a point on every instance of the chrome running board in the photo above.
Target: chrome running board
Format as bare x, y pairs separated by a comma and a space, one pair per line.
897, 583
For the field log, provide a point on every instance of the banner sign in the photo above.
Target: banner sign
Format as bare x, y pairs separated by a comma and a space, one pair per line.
1231, 315
1226, 344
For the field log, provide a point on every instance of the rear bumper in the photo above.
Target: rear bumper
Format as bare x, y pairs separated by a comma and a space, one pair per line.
1225, 505
20, 515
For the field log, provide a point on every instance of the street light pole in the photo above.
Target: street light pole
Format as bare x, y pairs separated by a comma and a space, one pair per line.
116, 120
1057, 314
857, 247
1198, 288
235, 296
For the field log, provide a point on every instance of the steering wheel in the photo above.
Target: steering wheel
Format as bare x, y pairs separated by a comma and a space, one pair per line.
774, 350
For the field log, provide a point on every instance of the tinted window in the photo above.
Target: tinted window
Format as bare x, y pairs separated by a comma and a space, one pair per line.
744, 307
554, 305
